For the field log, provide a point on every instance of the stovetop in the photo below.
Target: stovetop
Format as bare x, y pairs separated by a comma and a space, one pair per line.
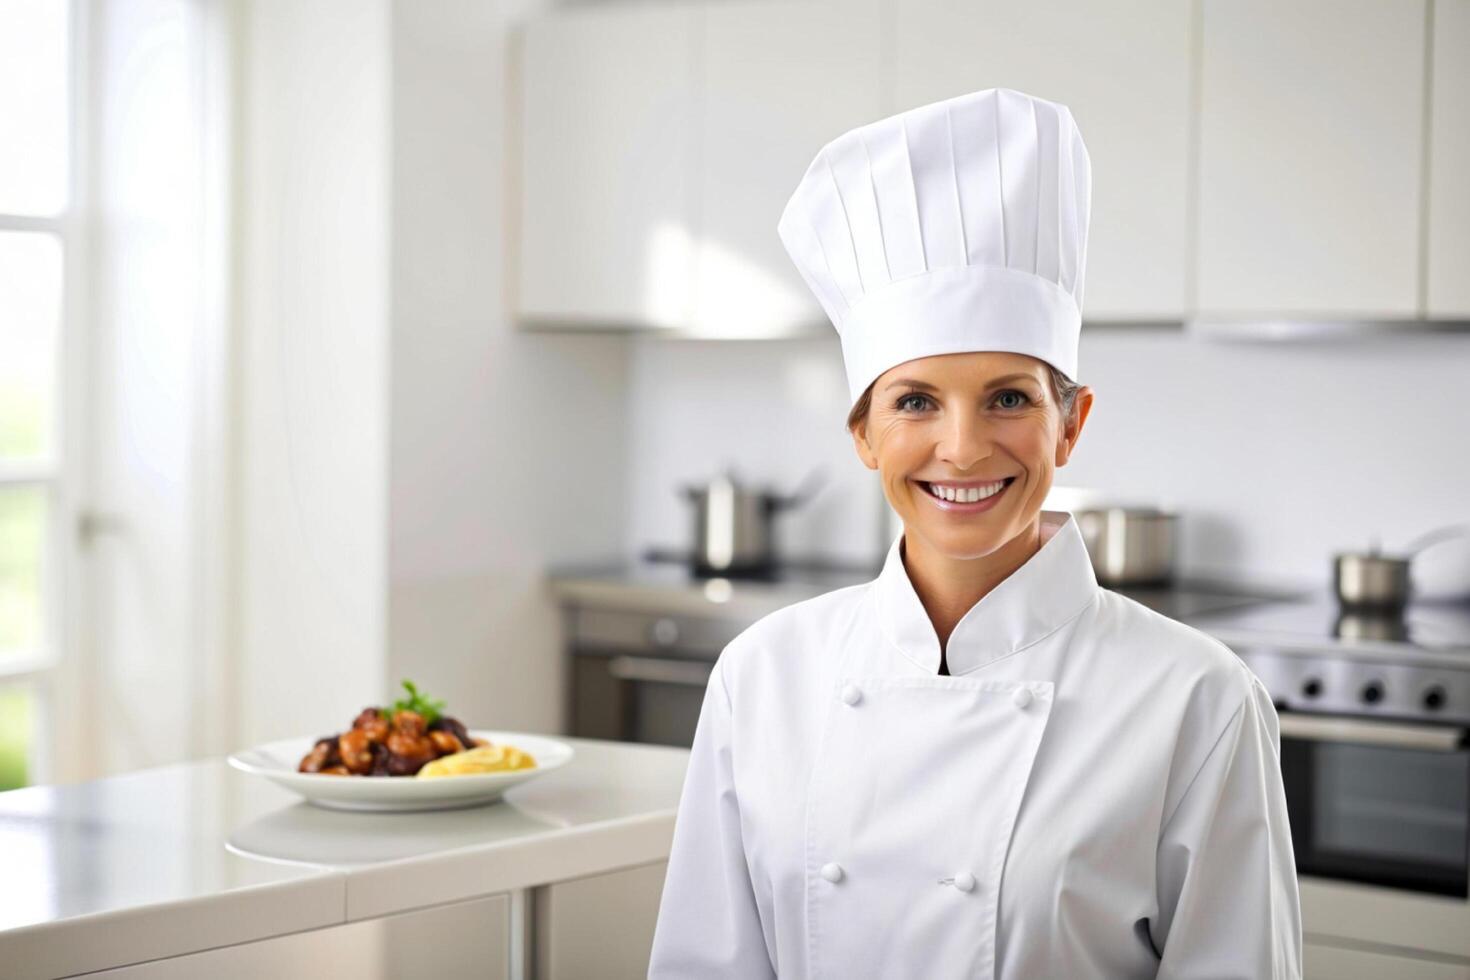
1316, 657
1319, 623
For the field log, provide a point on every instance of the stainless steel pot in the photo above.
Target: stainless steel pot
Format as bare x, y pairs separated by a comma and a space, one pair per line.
1129, 545
1374, 580
1370, 581
734, 526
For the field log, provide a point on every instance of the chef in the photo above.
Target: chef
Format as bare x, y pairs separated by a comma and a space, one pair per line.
979, 764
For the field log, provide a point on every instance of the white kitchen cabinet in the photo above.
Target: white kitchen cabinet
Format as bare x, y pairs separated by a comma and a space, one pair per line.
1448, 261
1311, 135
1337, 963
606, 127
1124, 70
780, 79
465, 939
599, 926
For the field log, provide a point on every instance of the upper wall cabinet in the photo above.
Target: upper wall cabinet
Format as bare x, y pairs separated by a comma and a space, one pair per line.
608, 136
1250, 158
1449, 164
1311, 142
780, 79
1124, 71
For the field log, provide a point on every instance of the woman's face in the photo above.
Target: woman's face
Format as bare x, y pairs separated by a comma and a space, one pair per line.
971, 419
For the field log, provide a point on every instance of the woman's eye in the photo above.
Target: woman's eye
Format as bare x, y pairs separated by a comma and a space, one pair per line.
902, 402
1018, 394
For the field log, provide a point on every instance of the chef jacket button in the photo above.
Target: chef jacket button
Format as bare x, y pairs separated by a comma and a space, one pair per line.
964, 881
1022, 697
851, 694
832, 871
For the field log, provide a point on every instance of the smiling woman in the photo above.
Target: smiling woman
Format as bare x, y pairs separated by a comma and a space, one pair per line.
980, 763
966, 446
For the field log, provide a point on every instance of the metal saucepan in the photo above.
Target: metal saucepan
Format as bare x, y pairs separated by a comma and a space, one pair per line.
1374, 580
1129, 545
734, 526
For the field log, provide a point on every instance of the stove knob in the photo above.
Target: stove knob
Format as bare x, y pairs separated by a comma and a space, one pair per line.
1434, 697
1311, 687
1372, 692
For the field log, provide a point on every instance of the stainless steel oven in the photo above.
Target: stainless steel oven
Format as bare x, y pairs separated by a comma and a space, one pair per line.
1379, 802
1375, 736
641, 676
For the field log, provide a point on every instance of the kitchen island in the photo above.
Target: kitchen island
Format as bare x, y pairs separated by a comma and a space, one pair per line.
199, 870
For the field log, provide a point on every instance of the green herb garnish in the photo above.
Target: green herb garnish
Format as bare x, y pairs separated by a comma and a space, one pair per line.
428, 708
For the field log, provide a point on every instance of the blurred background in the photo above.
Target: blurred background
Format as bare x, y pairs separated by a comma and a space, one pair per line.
350, 340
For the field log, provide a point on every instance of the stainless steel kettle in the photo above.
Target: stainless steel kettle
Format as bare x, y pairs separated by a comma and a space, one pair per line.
734, 526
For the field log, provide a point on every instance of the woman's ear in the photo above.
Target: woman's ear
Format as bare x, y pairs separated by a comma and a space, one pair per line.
1081, 405
860, 442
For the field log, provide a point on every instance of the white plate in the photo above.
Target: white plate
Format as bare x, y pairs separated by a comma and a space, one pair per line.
277, 761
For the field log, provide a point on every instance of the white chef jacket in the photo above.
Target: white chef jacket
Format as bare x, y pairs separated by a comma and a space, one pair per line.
1094, 791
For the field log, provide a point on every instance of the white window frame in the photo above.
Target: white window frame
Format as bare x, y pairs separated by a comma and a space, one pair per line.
55, 672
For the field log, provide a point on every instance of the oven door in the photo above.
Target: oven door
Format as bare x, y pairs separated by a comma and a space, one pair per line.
639, 699
1380, 802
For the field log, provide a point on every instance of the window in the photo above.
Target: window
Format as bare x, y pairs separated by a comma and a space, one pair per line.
36, 220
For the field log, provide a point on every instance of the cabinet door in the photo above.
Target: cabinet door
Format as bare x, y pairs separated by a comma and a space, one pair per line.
1335, 963
466, 939
605, 121
1449, 163
1124, 71
781, 79
1311, 135
599, 926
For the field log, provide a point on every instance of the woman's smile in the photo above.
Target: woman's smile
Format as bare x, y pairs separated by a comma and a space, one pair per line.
965, 498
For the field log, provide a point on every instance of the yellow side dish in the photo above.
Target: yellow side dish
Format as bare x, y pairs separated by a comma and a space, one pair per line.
484, 758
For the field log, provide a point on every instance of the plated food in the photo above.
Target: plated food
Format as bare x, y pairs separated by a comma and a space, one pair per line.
279, 763
411, 737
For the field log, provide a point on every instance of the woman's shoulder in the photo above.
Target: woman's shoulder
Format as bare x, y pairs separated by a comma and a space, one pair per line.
1180, 680
1193, 662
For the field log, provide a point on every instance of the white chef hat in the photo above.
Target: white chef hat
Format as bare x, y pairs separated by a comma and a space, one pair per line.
956, 226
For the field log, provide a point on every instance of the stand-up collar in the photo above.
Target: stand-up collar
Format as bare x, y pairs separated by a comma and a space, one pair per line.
1047, 591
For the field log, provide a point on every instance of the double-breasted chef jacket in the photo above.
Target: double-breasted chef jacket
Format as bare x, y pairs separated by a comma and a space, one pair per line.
1093, 791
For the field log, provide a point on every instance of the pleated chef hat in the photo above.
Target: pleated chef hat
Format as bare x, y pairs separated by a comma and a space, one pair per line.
956, 226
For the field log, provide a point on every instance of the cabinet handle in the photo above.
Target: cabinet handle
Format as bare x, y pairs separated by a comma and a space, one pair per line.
684, 672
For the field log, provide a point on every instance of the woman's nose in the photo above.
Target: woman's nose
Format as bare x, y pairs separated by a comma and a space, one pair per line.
966, 441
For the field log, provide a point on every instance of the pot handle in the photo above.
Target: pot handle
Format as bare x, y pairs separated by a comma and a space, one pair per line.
805, 491
1439, 534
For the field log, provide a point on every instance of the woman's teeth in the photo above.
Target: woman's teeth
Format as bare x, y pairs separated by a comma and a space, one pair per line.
966, 495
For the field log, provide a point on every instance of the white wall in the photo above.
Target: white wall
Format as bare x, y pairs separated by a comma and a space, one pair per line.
507, 448
314, 318
1277, 454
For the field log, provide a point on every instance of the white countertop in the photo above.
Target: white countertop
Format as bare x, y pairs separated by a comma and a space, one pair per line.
189, 857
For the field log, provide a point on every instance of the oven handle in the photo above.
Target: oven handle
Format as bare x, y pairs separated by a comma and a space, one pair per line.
1388, 734
687, 673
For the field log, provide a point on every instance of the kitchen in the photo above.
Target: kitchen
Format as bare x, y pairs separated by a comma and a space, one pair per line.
318, 258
